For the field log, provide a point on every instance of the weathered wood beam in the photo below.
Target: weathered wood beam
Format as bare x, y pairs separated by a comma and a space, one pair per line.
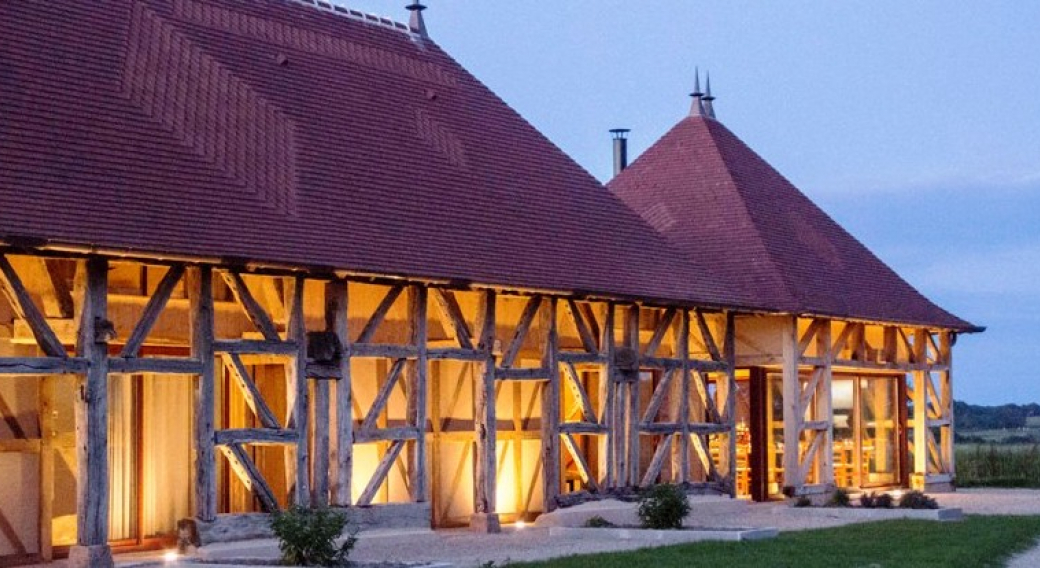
707, 337
729, 414
42, 365
920, 402
579, 460
366, 350
256, 436
792, 390
250, 391
551, 408
380, 474
48, 432
451, 314
91, 409
632, 411
57, 298
578, 391
387, 434
253, 310
658, 397
485, 507
22, 305
152, 310
585, 334
417, 392
159, 365
652, 472
681, 448
608, 401
659, 334
582, 358
338, 322
199, 285
454, 354
297, 460
368, 332
583, 428
520, 333
257, 347
383, 395
250, 476
524, 374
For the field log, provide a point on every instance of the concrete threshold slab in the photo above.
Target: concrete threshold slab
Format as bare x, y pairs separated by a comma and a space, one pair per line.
861, 514
268, 547
665, 536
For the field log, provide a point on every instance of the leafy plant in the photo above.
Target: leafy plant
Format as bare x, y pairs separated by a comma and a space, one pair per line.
917, 500
840, 498
876, 501
663, 507
598, 522
307, 537
802, 502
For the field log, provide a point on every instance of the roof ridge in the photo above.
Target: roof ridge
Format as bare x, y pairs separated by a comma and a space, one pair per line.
358, 15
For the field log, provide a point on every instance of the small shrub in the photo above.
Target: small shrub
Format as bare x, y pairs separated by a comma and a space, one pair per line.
840, 498
876, 501
802, 502
598, 522
917, 500
663, 507
307, 537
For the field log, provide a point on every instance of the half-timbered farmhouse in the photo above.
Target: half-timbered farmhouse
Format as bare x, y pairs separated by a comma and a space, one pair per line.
257, 253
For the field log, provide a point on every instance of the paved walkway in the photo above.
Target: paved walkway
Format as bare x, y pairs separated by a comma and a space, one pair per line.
465, 549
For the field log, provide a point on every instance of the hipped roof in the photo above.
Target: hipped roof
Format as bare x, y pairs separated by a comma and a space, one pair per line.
717, 201
273, 131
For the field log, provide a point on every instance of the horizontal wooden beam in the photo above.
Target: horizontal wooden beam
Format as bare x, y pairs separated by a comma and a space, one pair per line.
255, 347
323, 371
42, 365
459, 354
256, 436
528, 374
581, 357
162, 365
582, 428
384, 351
386, 434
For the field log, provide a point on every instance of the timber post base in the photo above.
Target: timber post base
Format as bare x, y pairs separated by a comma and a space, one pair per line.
488, 523
92, 556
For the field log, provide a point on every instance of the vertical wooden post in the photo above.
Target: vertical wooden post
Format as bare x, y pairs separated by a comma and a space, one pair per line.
946, 400
729, 413
485, 515
46, 466
338, 322
417, 389
920, 418
608, 392
633, 413
92, 488
824, 405
297, 460
681, 456
550, 408
320, 435
200, 298
792, 391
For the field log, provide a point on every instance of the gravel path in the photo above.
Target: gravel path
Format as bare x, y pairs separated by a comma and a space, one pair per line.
465, 549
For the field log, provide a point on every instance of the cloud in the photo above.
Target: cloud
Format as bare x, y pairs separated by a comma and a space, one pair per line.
1010, 271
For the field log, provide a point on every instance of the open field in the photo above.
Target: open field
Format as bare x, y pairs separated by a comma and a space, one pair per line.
993, 465
977, 541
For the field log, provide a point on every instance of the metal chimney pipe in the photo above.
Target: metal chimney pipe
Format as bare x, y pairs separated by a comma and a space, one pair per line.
620, 136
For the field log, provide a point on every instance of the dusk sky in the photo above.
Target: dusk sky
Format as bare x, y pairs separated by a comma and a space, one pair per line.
915, 125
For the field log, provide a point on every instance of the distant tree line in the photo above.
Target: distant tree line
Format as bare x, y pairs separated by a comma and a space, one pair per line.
1007, 416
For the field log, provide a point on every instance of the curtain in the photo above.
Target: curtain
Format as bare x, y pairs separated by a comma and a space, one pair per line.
121, 445
166, 453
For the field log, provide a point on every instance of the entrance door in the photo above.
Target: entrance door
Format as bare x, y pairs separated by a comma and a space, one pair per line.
866, 431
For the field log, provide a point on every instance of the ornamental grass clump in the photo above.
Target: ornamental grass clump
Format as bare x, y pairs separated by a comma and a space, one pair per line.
840, 498
663, 507
307, 537
917, 500
876, 501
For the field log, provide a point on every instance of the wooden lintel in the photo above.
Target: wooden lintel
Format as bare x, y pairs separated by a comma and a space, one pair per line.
365, 350
523, 374
583, 428
386, 434
255, 436
256, 347
323, 371
161, 365
459, 354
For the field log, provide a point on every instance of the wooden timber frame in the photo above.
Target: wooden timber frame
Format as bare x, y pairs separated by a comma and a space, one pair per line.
816, 347
681, 430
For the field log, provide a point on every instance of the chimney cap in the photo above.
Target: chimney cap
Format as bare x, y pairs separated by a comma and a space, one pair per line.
620, 133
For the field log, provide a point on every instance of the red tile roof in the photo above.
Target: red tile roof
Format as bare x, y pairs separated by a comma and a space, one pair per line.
272, 131
716, 200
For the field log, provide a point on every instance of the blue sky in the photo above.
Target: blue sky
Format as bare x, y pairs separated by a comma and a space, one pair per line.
914, 124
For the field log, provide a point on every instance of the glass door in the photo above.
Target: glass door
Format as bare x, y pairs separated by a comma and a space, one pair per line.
878, 431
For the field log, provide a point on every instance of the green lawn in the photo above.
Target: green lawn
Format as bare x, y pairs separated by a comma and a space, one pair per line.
976, 541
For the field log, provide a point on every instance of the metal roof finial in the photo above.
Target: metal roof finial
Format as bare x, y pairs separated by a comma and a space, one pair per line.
416, 22
697, 107
709, 108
